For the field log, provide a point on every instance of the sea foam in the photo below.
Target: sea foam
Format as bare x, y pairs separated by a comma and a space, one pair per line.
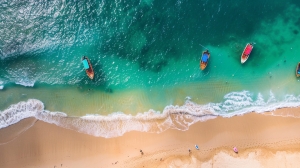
1, 85
25, 81
172, 117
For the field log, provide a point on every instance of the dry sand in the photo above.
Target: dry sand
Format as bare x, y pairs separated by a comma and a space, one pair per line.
262, 140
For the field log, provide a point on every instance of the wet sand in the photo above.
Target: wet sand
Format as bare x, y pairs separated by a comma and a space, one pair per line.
262, 141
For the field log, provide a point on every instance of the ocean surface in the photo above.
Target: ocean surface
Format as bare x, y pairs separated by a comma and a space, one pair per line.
145, 54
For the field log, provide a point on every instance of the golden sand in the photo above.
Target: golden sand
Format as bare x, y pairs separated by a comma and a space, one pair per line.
262, 140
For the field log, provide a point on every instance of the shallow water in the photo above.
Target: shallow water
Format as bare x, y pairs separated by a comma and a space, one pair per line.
145, 55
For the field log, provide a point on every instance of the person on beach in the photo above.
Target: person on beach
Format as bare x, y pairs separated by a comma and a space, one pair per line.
235, 149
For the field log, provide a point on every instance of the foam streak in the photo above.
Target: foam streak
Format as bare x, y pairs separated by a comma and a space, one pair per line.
172, 117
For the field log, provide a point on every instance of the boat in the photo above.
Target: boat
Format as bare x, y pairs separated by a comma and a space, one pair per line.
88, 67
298, 70
246, 52
204, 59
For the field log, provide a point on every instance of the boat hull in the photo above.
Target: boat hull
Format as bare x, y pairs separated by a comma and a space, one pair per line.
90, 71
297, 70
246, 53
204, 64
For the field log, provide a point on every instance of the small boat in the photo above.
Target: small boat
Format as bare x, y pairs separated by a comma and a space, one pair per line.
246, 52
298, 70
88, 67
204, 59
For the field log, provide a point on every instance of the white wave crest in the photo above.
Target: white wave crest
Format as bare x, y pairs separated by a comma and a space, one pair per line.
26, 83
172, 117
1, 85
116, 124
238, 103
19, 111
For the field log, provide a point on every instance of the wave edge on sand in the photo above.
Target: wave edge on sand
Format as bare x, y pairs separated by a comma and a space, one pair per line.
172, 117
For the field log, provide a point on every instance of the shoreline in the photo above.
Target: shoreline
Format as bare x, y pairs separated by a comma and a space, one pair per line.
259, 138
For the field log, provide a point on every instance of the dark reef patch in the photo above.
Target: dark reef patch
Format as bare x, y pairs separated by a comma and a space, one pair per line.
295, 32
151, 35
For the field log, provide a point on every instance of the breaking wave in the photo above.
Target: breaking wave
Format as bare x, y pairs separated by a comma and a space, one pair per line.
1, 85
27, 84
172, 117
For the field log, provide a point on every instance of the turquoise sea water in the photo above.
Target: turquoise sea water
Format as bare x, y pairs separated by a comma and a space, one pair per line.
145, 54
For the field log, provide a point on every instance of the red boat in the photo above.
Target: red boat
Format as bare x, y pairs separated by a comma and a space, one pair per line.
88, 67
246, 52
204, 59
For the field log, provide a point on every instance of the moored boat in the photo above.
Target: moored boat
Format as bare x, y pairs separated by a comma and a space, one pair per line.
204, 59
88, 67
246, 52
298, 70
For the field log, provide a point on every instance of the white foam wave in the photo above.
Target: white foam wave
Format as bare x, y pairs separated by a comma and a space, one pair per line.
1, 85
172, 117
19, 111
239, 103
25, 82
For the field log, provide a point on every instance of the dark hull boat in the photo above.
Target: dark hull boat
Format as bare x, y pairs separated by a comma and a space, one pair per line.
298, 70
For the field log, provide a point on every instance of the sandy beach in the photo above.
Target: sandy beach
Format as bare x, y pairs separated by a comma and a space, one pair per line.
262, 140
149, 103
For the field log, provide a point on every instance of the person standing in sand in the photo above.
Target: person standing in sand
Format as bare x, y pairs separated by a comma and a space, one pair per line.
235, 149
